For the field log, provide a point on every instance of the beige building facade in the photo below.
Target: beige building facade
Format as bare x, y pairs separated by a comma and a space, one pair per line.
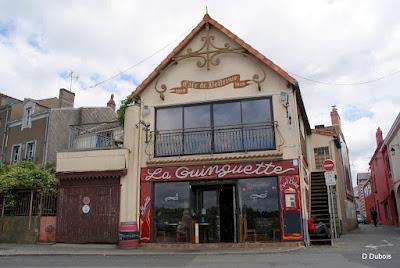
217, 147
329, 143
392, 141
190, 120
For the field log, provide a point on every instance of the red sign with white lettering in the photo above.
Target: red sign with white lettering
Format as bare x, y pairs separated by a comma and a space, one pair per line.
328, 165
219, 171
206, 172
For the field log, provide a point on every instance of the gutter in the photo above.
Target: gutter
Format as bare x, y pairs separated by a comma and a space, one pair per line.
302, 108
5, 138
45, 149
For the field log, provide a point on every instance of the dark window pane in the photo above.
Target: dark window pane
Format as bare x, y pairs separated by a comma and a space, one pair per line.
227, 114
259, 208
234, 126
227, 127
169, 118
256, 111
173, 221
197, 116
258, 132
197, 134
169, 139
210, 214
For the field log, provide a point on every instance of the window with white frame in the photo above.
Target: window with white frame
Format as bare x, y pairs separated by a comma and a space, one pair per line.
30, 149
16, 153
27, 117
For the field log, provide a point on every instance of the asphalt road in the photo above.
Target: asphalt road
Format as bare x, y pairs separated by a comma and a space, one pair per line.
347, 252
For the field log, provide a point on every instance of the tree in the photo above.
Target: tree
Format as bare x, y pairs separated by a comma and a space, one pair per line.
122, 109
26, 175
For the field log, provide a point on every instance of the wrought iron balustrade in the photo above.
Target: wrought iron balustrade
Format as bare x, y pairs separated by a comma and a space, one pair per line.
225, 139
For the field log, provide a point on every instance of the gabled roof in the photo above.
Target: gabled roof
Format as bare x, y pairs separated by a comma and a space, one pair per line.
207, 19
191, 35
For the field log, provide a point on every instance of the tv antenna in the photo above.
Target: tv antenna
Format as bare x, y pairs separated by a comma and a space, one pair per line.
72, 76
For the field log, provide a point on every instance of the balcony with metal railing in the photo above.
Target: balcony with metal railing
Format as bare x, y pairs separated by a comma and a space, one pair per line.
226, 139
96, 136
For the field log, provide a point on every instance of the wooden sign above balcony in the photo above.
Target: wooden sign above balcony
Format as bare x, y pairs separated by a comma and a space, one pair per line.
232, 79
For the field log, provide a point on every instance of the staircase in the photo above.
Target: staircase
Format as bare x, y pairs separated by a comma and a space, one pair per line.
319, 206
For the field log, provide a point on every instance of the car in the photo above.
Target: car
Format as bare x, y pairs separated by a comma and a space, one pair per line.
361, 218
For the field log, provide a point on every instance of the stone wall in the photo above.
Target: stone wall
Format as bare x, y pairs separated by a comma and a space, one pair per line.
16, 229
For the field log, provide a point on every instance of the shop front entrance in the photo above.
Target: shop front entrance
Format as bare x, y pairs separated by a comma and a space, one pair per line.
215, 213
221, 203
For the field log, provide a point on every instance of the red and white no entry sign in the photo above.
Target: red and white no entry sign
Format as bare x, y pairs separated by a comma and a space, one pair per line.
328, 165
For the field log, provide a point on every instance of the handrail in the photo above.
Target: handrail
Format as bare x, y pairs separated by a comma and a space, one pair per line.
221, 139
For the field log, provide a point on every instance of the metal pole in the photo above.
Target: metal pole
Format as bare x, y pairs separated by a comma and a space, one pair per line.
330, 207
334, 214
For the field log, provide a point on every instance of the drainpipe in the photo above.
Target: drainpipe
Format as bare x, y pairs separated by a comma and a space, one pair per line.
4, 136
46, 140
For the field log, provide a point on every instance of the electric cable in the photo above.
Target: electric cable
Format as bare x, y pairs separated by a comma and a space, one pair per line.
350, 83
139, 62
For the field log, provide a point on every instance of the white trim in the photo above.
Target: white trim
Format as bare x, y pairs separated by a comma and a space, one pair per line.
34, 150
34, 118
19, 153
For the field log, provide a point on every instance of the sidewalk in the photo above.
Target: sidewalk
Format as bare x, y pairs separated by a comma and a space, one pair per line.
113, 250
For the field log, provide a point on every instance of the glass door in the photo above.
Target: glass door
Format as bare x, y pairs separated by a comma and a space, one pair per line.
208, 215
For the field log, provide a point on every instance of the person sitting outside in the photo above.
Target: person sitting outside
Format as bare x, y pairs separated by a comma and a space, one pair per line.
320, 228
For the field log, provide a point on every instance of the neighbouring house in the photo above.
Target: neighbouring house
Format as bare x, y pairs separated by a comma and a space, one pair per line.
37, 129
369, 198
357, 200
328, 142
382, 183
364, 190
392, 143
89, 172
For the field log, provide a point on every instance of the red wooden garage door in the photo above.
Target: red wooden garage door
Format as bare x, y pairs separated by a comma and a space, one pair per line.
88, 210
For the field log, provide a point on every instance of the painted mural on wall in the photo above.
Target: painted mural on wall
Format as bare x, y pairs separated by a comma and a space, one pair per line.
145, 212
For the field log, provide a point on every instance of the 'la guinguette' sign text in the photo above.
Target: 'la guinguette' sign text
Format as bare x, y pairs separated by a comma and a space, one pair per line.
220, 171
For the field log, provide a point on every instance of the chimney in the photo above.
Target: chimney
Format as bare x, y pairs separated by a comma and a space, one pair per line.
111, 103
379, 137
335, 119
66, 98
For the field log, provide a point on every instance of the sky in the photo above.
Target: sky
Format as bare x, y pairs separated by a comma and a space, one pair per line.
331, 41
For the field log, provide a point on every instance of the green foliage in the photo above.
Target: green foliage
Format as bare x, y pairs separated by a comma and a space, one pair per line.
51, 167
26, 175
122, 109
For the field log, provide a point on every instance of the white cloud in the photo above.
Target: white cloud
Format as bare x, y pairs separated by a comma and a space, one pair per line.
334, 41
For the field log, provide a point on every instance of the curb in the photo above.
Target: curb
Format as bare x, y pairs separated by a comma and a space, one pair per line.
157, 253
